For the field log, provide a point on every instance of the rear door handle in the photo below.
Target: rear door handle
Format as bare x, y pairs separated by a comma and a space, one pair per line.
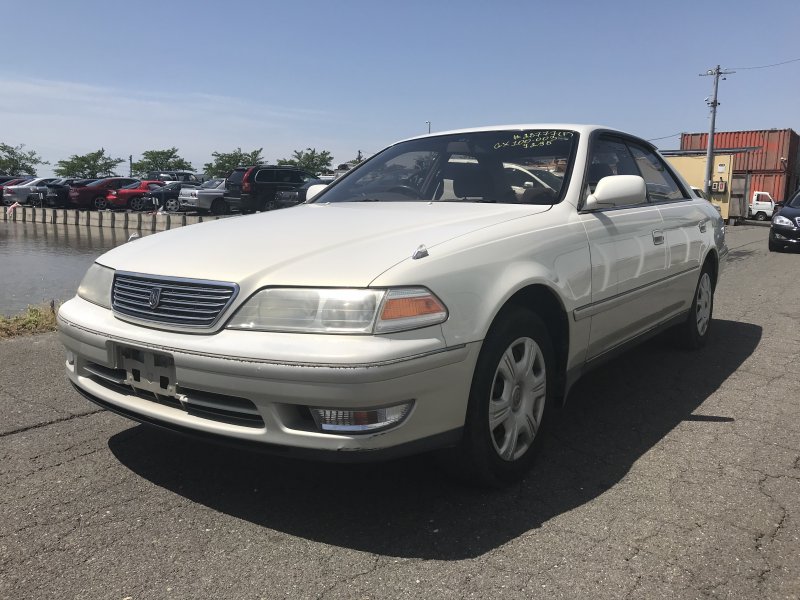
658, 237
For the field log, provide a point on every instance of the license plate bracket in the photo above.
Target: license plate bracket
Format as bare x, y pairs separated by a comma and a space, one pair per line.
147, 370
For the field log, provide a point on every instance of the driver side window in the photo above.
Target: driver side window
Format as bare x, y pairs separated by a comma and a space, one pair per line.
608, 157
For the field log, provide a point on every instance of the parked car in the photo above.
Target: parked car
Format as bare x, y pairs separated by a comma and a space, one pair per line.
174, 176
254, 188
58, 191
209, 197
784, 232
132, 195
32, 191
166, 197
409, 317
12, 182
297, 195
94, 194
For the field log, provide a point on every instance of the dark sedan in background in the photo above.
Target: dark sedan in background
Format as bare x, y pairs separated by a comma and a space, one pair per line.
166, 197
58, 191
784, 233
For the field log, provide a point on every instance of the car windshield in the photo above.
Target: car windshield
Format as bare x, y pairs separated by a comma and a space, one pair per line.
794, 202
212, 183
503, 166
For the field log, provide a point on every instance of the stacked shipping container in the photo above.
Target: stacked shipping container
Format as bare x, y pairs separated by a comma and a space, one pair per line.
772, 166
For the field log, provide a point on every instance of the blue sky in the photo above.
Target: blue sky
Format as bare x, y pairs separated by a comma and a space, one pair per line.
352, 75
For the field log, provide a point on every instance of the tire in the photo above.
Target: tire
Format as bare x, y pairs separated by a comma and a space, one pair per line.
219, 207
509, 402
773, 247
693, 333
171, 205
136, 203
100, 203
761, 216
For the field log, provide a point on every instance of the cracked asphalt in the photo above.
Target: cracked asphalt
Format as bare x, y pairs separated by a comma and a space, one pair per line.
668, 475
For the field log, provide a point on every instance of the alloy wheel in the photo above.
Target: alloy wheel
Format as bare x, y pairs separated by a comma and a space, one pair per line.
703, 302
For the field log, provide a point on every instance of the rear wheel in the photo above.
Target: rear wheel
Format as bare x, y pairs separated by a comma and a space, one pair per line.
219, 207
100, 202
694, 332
512, 390
761, 216
172, 205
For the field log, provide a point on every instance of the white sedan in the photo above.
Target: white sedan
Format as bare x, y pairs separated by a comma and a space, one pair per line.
416, 303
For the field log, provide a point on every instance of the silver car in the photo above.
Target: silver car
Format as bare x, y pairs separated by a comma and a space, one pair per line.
209, 197
33, 191
416, 303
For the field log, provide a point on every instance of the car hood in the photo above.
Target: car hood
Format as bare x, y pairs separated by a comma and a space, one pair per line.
343, 244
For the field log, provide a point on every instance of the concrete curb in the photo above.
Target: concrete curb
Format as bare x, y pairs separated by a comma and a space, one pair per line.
106, 219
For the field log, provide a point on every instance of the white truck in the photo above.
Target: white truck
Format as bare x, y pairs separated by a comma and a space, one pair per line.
761, 206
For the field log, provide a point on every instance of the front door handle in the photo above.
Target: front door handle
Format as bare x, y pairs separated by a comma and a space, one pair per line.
658, 237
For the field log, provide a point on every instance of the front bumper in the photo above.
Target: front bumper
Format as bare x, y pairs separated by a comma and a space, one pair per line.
781, 235
254, 373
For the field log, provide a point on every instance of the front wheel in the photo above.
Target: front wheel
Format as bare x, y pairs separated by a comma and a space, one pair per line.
136, 203
512, 390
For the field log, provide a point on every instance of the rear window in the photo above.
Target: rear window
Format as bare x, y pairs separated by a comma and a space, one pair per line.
237, 176
131, 186
96, 183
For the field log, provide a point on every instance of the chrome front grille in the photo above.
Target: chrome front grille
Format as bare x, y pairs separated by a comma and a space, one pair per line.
797, 220
172, 301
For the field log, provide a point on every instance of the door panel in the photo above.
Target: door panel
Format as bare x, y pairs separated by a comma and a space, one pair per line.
628, 255
686, 246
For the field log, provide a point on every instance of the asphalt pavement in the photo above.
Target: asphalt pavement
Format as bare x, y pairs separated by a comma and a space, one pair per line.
668, 475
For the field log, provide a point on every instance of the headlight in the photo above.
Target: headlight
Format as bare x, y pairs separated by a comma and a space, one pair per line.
333, 310
781, 220
96, 285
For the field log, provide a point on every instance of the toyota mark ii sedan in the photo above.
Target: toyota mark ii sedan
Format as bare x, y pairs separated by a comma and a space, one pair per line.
431, 298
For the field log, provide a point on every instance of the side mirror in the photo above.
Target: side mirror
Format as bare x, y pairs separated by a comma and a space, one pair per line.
617, 190
314, 190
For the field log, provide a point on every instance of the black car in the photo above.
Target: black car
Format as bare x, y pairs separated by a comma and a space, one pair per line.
785, 229
297, 195
166, 197
255, 188
58, 191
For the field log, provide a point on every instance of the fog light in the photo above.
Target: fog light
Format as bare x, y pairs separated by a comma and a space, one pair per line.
778, 236
360, 421
70, 358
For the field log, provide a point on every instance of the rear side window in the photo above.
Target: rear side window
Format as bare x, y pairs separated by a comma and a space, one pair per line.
265, 176
237, 175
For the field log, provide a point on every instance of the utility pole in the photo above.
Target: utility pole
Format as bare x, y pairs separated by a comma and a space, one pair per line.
130, 165
713, 104
429, 126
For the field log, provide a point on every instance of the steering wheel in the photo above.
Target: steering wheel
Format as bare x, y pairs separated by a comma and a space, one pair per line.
405, 190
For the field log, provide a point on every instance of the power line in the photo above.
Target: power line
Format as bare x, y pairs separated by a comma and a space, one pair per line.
665, 137
786, 62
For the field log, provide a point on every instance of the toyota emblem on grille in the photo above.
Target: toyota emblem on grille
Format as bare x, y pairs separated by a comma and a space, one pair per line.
155, 297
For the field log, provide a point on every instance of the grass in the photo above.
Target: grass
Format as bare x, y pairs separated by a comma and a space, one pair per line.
35, 319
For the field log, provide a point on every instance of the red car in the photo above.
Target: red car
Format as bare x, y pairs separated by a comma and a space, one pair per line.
132, 196
94, 194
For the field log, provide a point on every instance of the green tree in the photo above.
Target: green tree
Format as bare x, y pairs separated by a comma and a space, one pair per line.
161, 160
15, 160
225, 162
92, 165
309, 160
